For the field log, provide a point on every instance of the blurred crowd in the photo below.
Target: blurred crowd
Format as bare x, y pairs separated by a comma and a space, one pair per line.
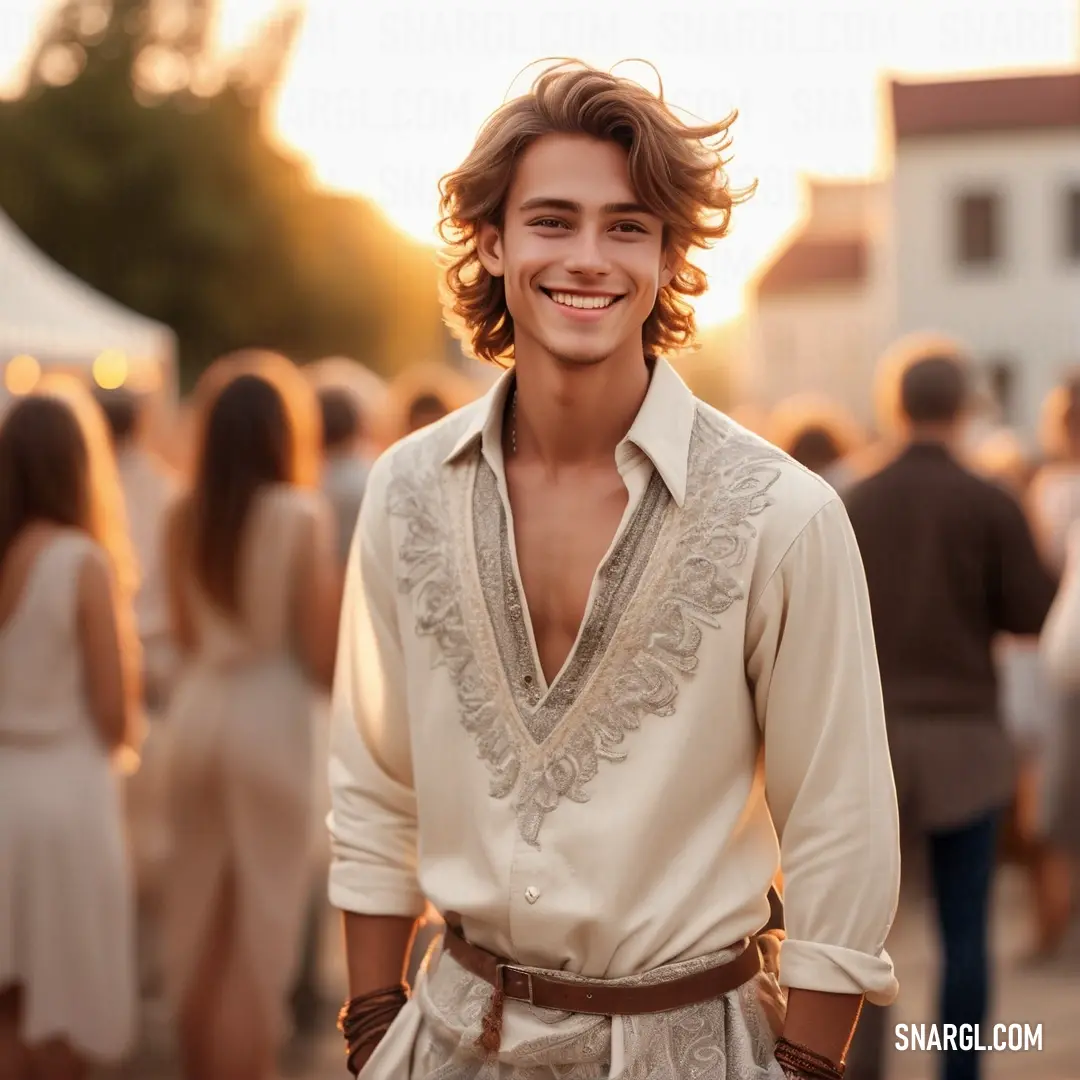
169, 599
192, 570
971, 548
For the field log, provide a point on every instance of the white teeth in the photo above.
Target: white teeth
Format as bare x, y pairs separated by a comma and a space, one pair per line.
574, 300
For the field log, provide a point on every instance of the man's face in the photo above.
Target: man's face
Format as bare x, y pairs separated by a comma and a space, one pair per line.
581, 259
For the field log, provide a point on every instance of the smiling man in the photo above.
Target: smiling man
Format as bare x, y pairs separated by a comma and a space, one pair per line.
609, 657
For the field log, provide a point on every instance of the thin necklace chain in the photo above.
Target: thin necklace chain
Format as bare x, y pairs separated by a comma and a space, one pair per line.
513, 422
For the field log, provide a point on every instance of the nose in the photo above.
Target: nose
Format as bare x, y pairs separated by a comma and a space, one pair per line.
587, 254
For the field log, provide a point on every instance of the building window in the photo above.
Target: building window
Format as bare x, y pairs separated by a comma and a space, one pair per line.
1072, 224
978, 228
1001, 375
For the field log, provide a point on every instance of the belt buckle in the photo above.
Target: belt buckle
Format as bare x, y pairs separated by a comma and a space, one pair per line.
500, 978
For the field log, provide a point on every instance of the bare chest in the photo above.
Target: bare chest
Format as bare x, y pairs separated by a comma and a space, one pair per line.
562, 533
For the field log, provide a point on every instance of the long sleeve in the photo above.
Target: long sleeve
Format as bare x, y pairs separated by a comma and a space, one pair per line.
813, 670
372, 821
1060, 641
1020, 588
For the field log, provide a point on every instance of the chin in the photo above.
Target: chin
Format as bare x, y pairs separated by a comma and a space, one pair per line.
579, 357
573, 351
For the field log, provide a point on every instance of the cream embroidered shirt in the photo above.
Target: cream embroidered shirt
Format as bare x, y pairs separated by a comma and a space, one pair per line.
616, 820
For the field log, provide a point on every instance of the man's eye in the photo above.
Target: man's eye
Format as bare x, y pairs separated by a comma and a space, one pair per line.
549, 223
630, 226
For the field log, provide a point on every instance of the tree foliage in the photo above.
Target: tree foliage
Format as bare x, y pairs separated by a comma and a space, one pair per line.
143, 161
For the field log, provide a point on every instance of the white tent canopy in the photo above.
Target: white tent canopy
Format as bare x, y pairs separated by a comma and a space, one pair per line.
59, 320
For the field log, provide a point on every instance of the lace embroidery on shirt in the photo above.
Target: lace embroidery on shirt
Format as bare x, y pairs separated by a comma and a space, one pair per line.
427, 570
619, 580
649, 641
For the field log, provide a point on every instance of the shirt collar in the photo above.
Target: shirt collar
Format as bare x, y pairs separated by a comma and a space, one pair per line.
661, 430
927, 448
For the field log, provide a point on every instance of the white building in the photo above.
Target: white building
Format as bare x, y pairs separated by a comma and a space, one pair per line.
975, 235
817, 313
984, 243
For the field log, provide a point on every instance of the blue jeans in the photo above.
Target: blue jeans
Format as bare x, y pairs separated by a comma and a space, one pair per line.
962, 865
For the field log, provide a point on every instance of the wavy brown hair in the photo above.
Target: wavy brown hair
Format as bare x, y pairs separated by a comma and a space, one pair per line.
259, 428
676, 169
57, 465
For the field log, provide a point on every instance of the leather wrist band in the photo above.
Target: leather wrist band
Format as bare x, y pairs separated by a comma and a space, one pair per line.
365, 1019
790, 1073
806, 1062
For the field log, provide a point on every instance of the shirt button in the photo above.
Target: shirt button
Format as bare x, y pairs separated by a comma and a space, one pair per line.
532, 894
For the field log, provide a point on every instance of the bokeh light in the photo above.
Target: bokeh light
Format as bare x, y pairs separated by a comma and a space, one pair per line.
110, 369
22, 374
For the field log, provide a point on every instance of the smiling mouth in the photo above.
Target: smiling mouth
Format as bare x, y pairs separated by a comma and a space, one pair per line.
580, 302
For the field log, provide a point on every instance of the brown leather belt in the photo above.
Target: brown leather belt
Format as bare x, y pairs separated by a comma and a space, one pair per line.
594, 997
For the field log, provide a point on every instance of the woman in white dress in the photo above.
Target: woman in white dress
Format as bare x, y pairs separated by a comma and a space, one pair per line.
254, 591
1055, 510
1060, 642
1027, 710
68, 708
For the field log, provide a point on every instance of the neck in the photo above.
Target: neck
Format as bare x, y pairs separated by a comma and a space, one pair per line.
575, 414
947, 435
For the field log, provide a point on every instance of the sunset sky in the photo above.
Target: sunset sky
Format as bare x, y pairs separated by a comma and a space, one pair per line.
385, 97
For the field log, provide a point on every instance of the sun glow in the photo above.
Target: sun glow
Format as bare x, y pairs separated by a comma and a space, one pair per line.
384, 98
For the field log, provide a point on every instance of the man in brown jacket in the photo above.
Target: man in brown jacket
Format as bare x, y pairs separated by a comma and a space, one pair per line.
950, 563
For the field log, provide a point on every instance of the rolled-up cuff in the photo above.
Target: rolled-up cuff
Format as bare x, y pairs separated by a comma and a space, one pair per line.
832, 969
366, 890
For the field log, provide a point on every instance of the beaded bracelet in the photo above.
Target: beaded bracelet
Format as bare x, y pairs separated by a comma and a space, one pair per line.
805, 1061
365, 1019
789, 1073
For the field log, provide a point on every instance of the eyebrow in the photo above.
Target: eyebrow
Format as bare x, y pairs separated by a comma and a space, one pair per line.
544, 202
